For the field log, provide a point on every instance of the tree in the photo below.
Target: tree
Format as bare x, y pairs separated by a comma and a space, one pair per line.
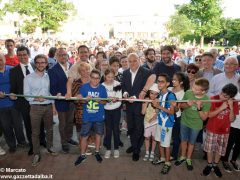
179, 26
46, 14
205, 14
232, 31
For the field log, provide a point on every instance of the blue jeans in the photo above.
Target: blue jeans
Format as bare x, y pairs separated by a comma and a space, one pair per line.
88, 125
188, 134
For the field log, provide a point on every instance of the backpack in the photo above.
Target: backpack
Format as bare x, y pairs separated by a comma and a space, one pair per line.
167, 97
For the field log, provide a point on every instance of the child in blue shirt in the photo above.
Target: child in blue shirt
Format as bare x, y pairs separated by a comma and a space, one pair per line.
165, 119
93, 114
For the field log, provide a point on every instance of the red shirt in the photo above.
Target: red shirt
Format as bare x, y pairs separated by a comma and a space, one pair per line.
11, 61
220, 124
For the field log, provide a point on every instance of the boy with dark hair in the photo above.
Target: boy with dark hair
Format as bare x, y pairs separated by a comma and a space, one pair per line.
165, 119
193, 115
93, 114
218, 127
11, 57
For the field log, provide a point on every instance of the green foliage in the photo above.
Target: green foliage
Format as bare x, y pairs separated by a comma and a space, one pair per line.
29, 27
47, 14
179, 26
205, 14
232, 31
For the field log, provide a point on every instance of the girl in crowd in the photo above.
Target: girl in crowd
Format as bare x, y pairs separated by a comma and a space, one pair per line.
180, 85
112, 113
150, 122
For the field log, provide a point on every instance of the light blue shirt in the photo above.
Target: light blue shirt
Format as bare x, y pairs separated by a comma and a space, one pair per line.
219, 65
219, 81
189, 60
37, 86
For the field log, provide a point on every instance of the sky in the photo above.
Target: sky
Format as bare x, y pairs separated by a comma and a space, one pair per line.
163, 8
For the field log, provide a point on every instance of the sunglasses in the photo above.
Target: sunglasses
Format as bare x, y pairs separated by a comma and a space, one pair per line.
198, 59
191, 71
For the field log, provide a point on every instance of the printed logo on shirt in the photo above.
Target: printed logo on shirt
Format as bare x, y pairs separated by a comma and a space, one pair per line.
93, 106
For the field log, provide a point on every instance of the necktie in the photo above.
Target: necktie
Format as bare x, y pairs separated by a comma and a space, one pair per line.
27, 70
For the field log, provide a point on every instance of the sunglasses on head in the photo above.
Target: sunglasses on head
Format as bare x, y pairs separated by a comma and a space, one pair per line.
191, 71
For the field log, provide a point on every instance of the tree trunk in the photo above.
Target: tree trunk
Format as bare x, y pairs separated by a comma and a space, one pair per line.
202, 41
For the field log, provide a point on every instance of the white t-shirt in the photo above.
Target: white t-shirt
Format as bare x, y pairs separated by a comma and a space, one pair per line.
179, 96
113, 90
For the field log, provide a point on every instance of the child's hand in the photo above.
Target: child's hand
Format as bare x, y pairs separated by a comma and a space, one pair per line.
190, 102
224, 105
88, 98
155, 103
79, 96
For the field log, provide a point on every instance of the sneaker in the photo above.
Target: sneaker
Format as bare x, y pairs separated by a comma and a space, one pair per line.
146, 157
52, 151
217, 171
189, 164
226, 166
80, 160
235, 165
158, 161
151, 157
179, 162
166, 168
88, 152
207, 170
92, 145
36, 160
116, 153
98, 157
72, 142
107, 154
2, 152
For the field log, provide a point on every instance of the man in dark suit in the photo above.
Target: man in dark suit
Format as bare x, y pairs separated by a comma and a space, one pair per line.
17, 75
133, 83
58, 75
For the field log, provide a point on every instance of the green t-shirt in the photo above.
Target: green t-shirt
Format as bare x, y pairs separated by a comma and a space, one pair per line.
190, 115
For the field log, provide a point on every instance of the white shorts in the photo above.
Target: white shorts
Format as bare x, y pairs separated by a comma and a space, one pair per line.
163, 135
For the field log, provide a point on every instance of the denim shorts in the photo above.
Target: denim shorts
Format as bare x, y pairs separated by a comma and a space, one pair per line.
98, 128
188, 134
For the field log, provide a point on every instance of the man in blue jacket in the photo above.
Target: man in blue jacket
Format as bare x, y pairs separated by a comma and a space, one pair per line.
58, 75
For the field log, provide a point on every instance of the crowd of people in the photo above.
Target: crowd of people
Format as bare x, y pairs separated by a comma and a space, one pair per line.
173, 98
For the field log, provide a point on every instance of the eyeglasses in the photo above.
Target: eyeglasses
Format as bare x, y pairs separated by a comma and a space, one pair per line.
198, 59
225, 95
63, 55
38, 63
97, 78
191, 71
159, 81
230, 64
